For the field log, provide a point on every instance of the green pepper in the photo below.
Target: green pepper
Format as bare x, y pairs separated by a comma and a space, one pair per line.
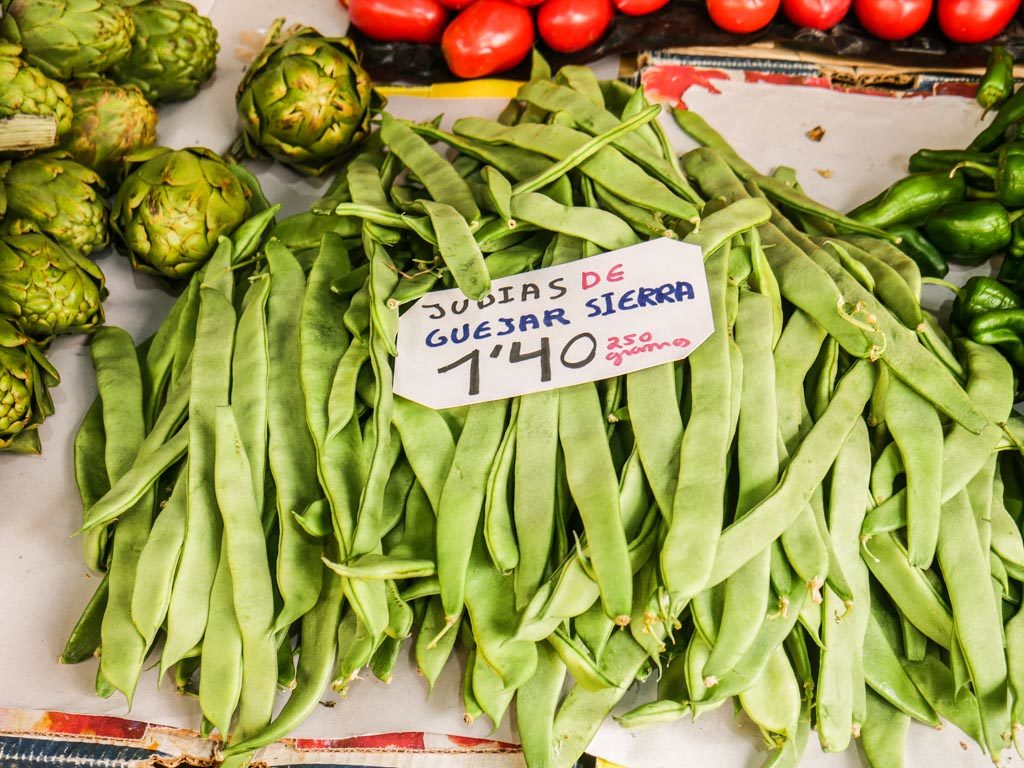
996, 85
1017, 239
1015, 250
1002, 328
1007, 176
980, 295
945, 159
1011, 271
1010, 115
970, 231
928, 258
911, 199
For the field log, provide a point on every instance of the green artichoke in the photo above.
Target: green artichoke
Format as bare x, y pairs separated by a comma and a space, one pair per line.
110, 122
25, 400
305, 100
55, 195
173, 206
68, 38
174, 51
48, 289
25, 91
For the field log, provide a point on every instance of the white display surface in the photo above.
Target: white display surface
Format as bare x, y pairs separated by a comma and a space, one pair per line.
44, 584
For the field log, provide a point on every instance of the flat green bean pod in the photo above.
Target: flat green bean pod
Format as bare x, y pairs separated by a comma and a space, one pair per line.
291, 451
594, 119
884, 733
158, 560
581, 666
917, 432
220, 685
436, 174
720, 227
120, 386
462, 499
433, 644
251, 580
746, 591
964, 453
513, 162
585, 151
382, 567
498, 525
92, 480
316, 662
806, 469
896, 344
841, 665
498, 190
886, 677
582, 712
536, 702
533, 505
596, 226
214, 333
687, 556
976, 616
605, 165
591, 477
490, 692
459, 249
910, 589
366, 188
773, 700
889, 285
84, 640
935, 682
135, 483
653, 713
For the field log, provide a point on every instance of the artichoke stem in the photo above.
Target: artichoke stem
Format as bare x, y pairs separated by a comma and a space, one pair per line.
26, 133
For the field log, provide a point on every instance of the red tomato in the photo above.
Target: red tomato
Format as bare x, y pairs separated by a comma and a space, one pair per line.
639, 7
455, 5
490, 36
407, 21
892, 19
742, 16
527, 3
816, 14
973, 21
568, 26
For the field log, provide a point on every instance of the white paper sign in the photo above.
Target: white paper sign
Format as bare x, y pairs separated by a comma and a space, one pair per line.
593, 319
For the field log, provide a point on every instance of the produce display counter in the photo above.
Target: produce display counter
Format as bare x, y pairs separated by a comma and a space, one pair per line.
844, 146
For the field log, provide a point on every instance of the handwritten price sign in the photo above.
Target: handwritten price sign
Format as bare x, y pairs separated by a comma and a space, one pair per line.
592, 319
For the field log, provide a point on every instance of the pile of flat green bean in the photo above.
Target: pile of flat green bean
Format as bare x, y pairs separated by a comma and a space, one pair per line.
816, 514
